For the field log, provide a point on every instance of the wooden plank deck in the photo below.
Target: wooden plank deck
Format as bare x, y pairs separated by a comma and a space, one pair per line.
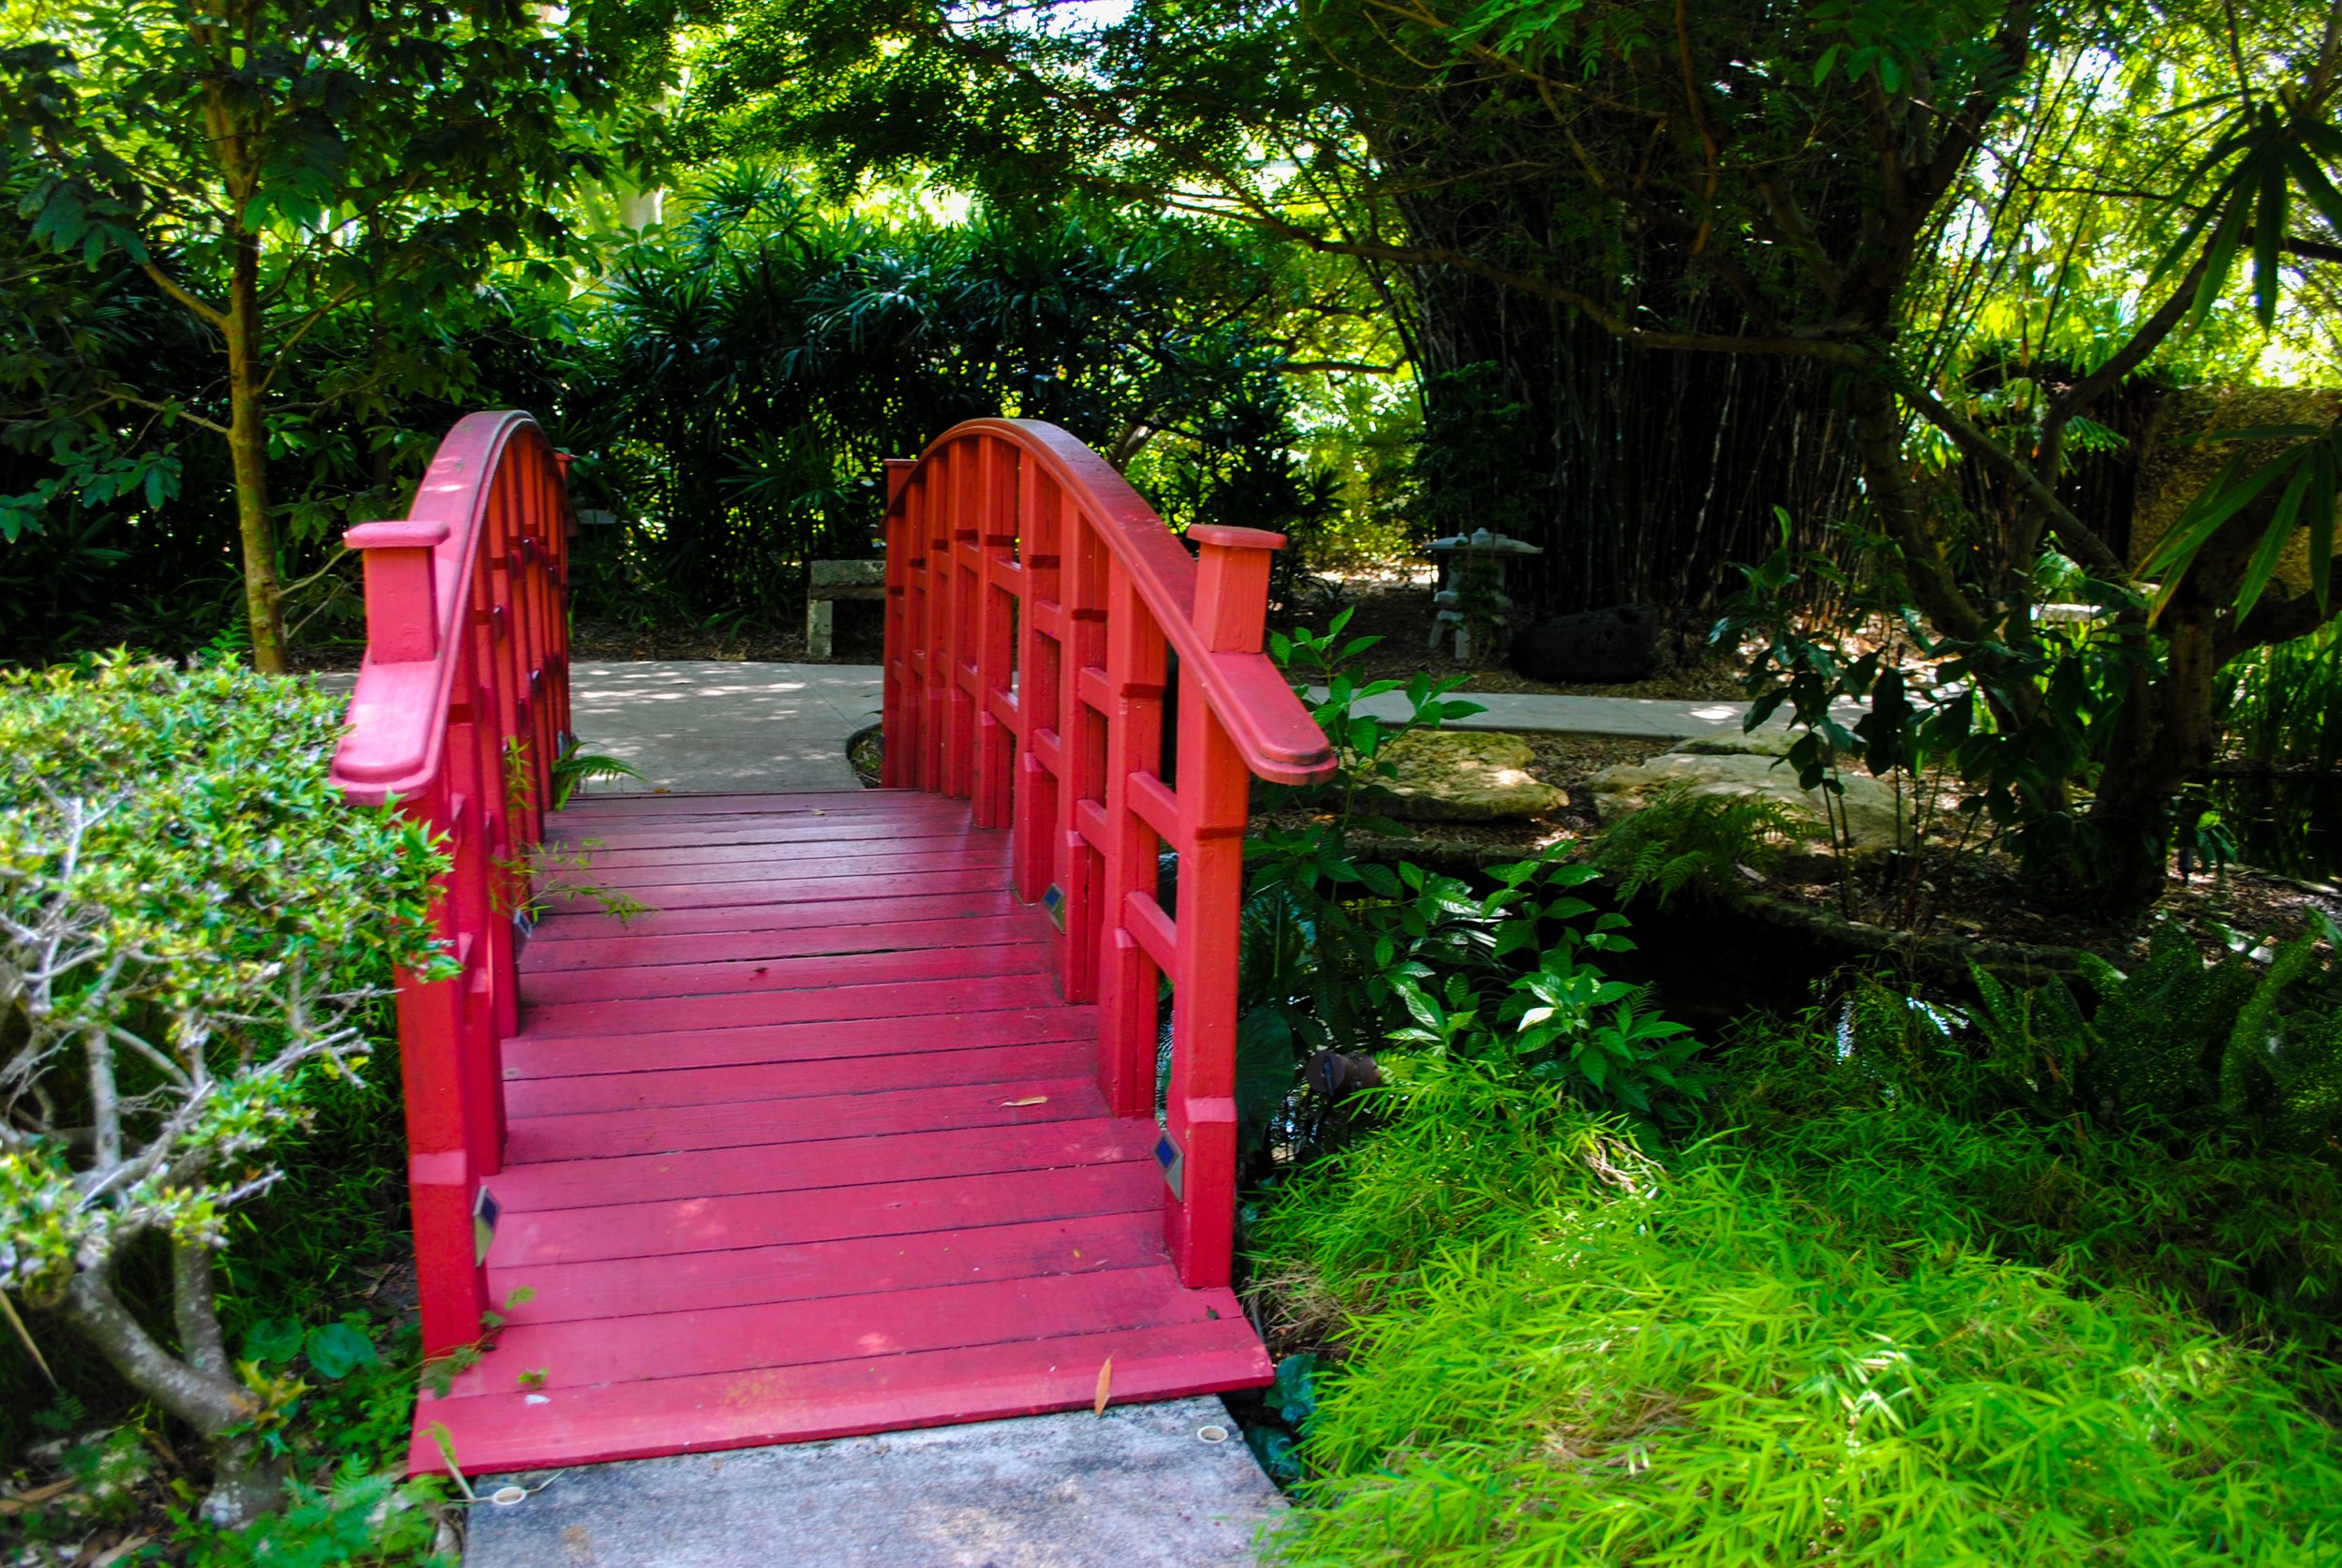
814, 1150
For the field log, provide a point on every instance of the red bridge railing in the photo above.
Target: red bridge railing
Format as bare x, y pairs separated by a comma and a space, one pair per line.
1035, 604
462, 703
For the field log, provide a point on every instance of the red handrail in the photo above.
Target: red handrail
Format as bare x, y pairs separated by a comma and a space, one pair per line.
462, 703
1033, 603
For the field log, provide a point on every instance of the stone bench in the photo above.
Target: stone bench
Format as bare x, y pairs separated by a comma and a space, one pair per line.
826, 584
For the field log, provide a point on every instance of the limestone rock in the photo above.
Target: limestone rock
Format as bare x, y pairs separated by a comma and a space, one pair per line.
1626, 643
1757, 764
1453, 776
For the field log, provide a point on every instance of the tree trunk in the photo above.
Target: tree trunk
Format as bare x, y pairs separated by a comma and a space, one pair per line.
248, 434
2162, 734
247, 445
1645, 475
245, 1481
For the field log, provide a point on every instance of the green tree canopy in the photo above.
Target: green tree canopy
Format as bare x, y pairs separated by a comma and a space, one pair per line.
332, 174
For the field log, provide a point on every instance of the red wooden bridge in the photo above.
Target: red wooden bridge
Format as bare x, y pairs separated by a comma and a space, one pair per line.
860, 1130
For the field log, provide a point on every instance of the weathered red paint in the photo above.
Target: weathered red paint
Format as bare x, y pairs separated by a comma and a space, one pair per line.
789, 1164
1033, 603
466, 651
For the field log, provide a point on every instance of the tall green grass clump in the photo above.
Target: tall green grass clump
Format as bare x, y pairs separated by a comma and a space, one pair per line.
1562, 1351
2176, 1130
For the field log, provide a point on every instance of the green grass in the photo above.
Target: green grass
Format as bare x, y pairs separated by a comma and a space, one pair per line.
1561, 1352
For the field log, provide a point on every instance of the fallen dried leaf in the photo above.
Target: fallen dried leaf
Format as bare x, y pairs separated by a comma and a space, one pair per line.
43, 1494
113, 1555
1031, 1099
1106, 1387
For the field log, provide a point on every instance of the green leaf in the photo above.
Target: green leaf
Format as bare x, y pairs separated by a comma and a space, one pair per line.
2276, 536
337, 1349
2269, 237
272, 1340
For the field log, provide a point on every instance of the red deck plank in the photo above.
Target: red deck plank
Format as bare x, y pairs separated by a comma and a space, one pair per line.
912, 857
749, 1275
531, 1057
976, 994
784, 887
571, 1094
747, 977
572, 922
815, 1148
678, 803
841, 1398
740, 831
669, 1130
885, 936
715, 1224
952, 1151
784, 1333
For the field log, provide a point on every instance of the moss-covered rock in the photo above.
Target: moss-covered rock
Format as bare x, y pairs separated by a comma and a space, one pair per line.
1454, 775
1757, 764
2174, 465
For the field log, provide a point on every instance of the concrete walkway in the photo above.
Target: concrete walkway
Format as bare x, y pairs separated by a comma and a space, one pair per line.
1639, 718
714, 726
1160, 1486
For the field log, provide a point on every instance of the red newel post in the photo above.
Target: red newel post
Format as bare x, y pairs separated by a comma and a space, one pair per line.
467, 656
1214, 796
402, 594
403, 625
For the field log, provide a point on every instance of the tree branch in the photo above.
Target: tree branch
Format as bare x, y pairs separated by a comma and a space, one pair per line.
196, 307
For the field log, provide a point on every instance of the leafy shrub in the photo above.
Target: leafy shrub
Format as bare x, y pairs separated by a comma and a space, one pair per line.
1345, 954
1684, 838
193, 927
1561, 1352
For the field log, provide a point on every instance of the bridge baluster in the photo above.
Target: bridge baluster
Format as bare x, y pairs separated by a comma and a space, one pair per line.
1057, 729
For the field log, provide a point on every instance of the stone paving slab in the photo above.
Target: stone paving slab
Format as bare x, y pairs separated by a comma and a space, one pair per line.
1134, 1488
715, 725
1547, 713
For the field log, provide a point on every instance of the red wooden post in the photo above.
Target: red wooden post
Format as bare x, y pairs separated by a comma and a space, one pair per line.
1040, 659
1215, 786
401, 579
898, 704
565, 531
466, 655
1082, 785
995, 649
1136, 673
934, 513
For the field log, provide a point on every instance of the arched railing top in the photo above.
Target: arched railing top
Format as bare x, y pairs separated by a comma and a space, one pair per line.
1221, 640
419, 575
